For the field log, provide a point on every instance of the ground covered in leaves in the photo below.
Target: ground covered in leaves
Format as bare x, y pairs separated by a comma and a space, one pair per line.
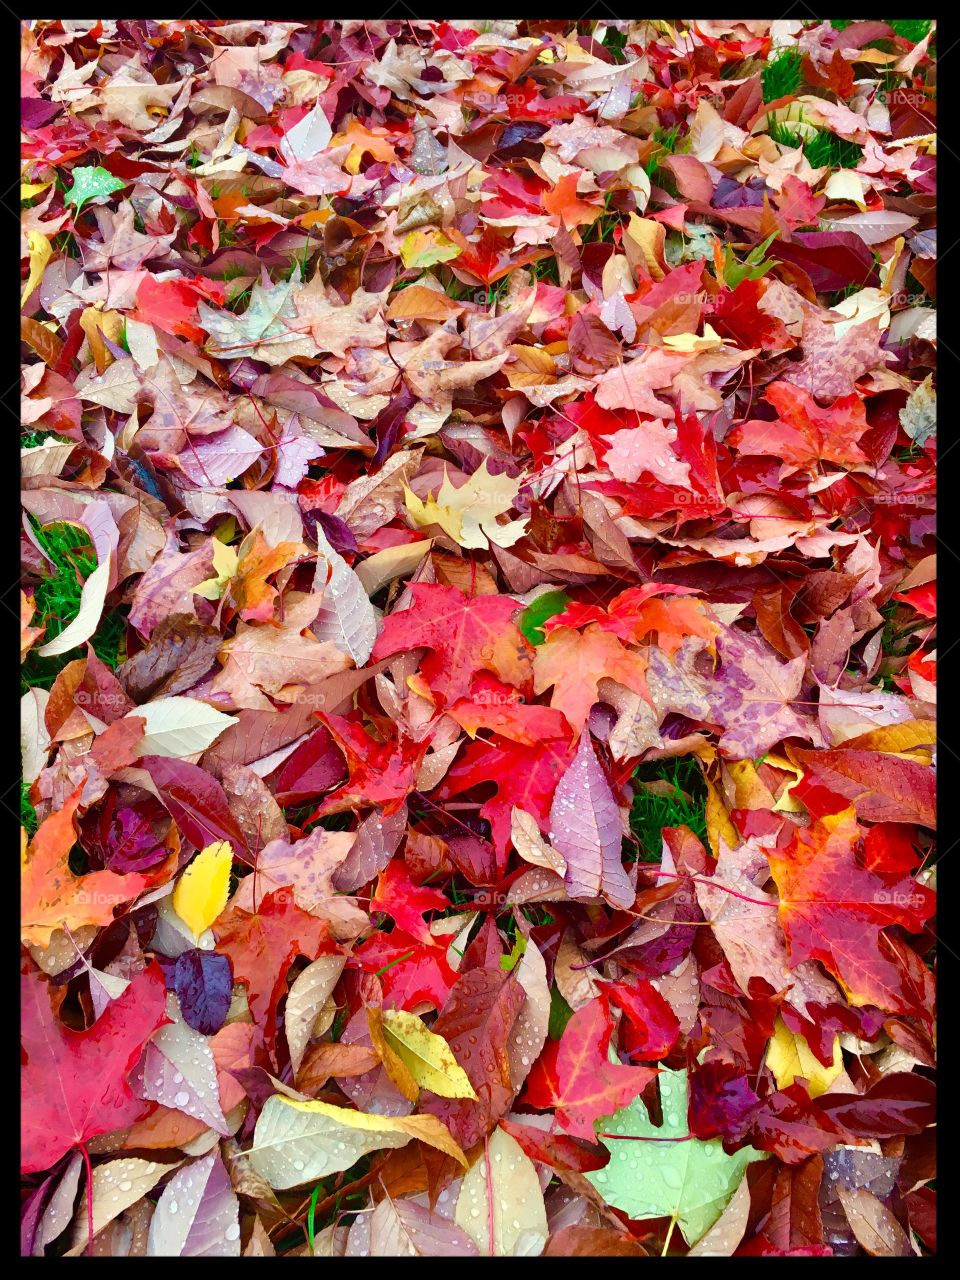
477, 638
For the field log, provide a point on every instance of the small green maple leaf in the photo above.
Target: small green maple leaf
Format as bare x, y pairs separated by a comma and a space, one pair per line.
671, 1175
91, 182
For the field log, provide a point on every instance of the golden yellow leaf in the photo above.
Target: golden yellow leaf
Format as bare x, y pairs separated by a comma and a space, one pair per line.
469, 514
40, 251
201, 892
427, 1057
393, 1064
789, 1056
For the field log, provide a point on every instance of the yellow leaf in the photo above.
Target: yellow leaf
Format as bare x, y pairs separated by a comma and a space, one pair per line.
203, 888
394, 1065
40, 252
30, 189
297, 1142
789, 1056
225, 560
427, 1056
719, 824
649, 236
469, 514
97, 325
896, 739
426, 248
691, 342
787, 803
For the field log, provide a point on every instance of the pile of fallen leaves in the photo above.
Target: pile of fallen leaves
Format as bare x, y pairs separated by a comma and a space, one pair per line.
477, 638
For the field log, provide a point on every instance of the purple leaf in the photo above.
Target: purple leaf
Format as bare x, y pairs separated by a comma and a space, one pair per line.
585, 828
203, 981
198, 1215
196, 802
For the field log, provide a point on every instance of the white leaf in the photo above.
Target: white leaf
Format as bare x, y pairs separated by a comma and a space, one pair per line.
308, 995
307, 138
347, 618
529, 1032
116, 1186
727, 1232
403, 1229
500, 1203
298, 1142
198, 1215
178, 1070
59, 1210
83, 626
179, 726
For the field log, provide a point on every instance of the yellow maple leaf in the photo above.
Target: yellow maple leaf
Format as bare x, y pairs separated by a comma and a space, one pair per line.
469, 514
690, 342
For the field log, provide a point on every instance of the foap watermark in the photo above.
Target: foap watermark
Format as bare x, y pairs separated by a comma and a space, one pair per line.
103, 700
94, 898
902, 499
903, 97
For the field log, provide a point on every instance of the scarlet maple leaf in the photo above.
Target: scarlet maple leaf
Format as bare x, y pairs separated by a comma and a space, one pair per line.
74, 1083
406, 902
497, 706
635, 613
464, 634
379, 772
804, 434
576, 1076
567, 210
263, 944
411, 973
525, 776
833, 909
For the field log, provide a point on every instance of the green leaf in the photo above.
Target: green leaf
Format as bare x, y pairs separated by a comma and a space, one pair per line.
509, 962
90, 183
671, 1175
560, 1014
535, 615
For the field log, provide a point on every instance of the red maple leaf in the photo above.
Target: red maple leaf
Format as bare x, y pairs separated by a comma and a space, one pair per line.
406, 902
75, 1082
465, 634
263, 944
524, 776
833, 909
575, 1075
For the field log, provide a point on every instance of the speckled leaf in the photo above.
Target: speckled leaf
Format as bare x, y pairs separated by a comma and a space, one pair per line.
178, 1070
